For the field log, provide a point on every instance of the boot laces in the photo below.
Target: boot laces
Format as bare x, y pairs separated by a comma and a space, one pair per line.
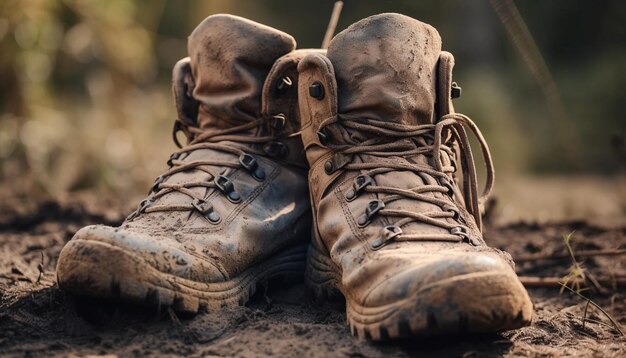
442, 142
235, 140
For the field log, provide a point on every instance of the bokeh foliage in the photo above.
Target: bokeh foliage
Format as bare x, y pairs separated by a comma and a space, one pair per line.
85, 99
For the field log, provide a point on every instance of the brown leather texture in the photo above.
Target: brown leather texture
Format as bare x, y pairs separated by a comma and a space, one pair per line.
232, 209
239, 52
387, 77
393, 190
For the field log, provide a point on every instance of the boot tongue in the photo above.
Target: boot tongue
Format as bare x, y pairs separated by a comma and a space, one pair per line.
230, 59
385, 67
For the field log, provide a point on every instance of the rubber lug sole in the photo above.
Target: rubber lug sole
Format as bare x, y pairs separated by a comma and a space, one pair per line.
430, 311
112, 273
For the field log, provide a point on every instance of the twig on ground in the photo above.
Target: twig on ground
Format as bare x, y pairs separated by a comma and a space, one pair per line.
597, 285
560, 256
577, 278
535, 281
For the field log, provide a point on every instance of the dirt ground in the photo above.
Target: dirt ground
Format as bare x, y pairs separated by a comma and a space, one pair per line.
37, 319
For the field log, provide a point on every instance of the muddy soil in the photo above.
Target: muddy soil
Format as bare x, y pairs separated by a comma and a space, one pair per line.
37, 319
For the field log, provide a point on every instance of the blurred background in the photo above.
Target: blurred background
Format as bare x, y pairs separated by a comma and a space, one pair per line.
85, 102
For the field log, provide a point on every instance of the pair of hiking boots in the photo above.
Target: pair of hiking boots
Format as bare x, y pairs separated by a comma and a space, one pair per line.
347, 165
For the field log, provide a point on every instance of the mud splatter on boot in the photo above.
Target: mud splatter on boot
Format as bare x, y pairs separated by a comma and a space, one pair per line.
232, 210
394, 232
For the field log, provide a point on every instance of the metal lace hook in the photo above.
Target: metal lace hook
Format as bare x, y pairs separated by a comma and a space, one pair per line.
177, 128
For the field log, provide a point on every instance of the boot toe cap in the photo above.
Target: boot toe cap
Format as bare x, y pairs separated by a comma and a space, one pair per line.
404, 276
100, 256
477, 292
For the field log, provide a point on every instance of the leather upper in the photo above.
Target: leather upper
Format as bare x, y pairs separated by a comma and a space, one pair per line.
385, 68
210, 217
384, 75
230, 57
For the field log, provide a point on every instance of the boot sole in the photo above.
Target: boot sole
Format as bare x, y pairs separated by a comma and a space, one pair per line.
501, 305
110, 272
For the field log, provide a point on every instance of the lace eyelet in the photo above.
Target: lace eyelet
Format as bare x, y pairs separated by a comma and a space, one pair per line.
377, 243
226, 186
372, 208
284, 84
452, 209
213, 217
336, 162
252, 166
157, 182
276, 149
206, 209
322, 137
329, 167
465, 237
360, 182
278, 122
316, 90
455, 91
448, 184
459, 230
144, 204
389, 232
173, 157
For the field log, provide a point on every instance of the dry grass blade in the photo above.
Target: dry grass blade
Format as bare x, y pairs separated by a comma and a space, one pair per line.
585, 313
577, 278
615, 324
556, 256
576, 275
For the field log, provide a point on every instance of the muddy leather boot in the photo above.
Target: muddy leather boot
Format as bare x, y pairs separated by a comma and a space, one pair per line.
393, 231
233, 209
